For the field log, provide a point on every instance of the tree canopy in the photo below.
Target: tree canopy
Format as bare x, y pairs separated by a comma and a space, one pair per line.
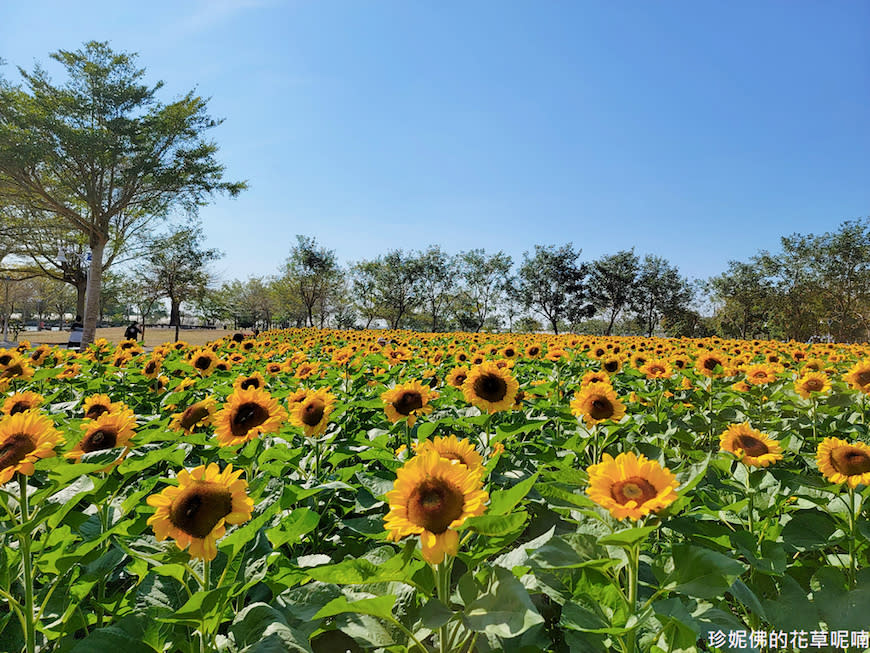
102, 153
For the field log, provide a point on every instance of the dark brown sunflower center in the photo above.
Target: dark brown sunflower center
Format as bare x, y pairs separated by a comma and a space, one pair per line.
656, 369
711, 363
611, 366
99, 440
813, 385
490, 387
13, 371
14, 449
250, 383
850, 461
751, 446
151, 367
312, 412
434, 504
20, 407
534, 351
635, 489
863, 378
5, 359
202, 362
599, 352
198, 509
600, 408
510, 353
248, 416
96, 410
193, 415
408, 401
459, 379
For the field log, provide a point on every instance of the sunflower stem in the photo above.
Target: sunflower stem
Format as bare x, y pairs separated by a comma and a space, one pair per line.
750, 497
29, 630
316, 458
206, 582
486, 432
441, 573
408, 437
633, 564
852, 521
710, 410
814, 419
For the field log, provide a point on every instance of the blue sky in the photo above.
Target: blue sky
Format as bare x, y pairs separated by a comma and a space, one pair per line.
699, 131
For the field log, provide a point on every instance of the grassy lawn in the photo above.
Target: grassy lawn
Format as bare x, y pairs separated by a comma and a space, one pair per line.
116, 334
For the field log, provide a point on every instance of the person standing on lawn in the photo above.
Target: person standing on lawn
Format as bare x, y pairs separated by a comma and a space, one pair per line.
132, 332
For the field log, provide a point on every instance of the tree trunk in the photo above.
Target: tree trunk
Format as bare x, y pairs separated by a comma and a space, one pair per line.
612, 320
81, 290
174, 312
92, 298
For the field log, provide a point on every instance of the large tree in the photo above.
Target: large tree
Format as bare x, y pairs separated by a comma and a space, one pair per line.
612, 283
102, 153
745, 296
660, 291
551, 284
312, 272
484, 278
437, 276
176, 266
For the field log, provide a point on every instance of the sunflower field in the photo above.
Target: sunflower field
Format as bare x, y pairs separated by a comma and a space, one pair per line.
330, 491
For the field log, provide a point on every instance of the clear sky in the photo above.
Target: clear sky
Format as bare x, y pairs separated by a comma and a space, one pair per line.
699, 131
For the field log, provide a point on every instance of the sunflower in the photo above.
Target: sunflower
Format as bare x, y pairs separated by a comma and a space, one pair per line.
631, 486
295, 397
432, 496
247, 414
452, 448
21, 402
96, 405
859, 376
456, 377
195, 513
311, 413
595, 377
760, 374
408, 401
25, 438
812, 382
490, 388
152, 368
39, 355
108, 431
657, 369
306, 370
534, 351
70, 371
712, 363
16, 368
750, 446
254, 380
611, 364
842, 462
598, 402
199, 414
204, 361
